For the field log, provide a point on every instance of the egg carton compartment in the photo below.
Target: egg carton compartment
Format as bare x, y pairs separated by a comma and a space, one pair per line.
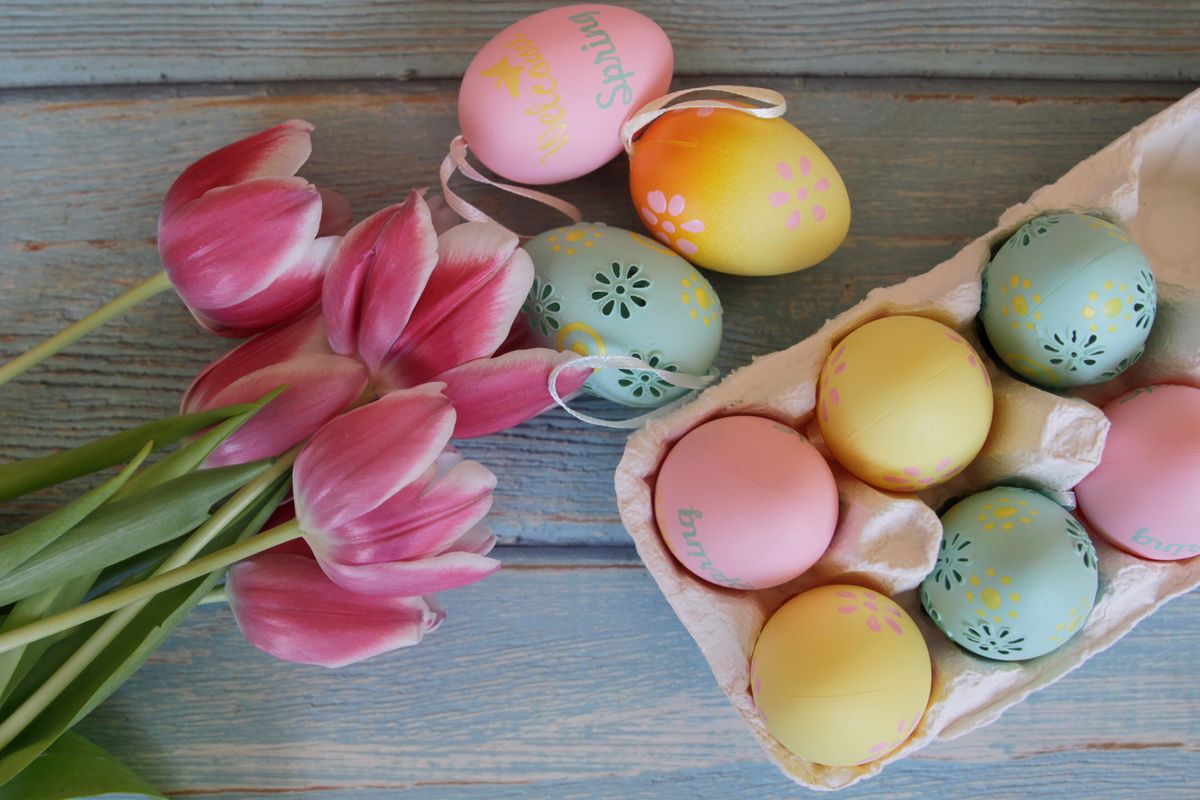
1149, 181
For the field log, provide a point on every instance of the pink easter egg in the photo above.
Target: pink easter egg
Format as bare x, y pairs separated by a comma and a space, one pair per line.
544, 100
1143, 497
745, 502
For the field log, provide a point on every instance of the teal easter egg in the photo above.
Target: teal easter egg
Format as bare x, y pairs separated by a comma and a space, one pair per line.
607, 291
1015, 576
1068, 300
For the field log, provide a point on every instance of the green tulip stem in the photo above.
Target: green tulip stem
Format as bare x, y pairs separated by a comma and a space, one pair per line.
73, 333
129, 601
217, 595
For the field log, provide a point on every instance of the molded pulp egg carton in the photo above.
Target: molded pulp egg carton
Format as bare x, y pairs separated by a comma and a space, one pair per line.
1149, 180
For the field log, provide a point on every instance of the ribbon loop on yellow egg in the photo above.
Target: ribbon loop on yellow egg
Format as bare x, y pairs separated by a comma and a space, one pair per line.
775, 105
456, 161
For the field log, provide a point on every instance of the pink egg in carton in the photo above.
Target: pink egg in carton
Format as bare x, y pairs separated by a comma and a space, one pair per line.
1148, 180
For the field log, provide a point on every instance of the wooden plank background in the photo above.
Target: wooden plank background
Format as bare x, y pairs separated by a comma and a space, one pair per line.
566, 675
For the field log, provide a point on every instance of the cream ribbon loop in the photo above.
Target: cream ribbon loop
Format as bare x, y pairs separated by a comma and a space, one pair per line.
456, 161
774, 105
680, 379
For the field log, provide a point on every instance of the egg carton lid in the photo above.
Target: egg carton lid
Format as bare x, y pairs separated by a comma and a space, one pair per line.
1149, 180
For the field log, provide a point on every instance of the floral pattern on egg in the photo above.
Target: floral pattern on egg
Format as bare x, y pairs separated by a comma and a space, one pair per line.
874, 607
621, 289
541, 307
642, 383
665, 220
798, 194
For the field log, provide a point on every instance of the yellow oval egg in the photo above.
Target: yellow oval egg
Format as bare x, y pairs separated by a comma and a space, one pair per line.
904, 403
841, 675
738, 194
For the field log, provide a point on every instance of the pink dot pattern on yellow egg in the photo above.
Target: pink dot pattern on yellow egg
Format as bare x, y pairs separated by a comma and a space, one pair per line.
834, 396
876, 607
914, 480
903, 729
662, 217
971, 359
802, 193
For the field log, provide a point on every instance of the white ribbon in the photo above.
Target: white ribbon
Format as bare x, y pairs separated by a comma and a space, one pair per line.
682, 380
456, 161
775, 105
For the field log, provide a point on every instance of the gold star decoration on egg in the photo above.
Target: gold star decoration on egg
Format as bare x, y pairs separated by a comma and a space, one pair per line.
506, 76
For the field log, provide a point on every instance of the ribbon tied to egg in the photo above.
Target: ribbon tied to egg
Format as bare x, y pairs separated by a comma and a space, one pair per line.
773, 105
682, 380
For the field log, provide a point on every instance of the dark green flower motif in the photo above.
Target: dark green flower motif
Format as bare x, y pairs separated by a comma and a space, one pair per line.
1069, 349
1083, 545
541, 306
951, 560
619, 290
641, 383
987, 638
1038, 226
1145, 302
1123, 364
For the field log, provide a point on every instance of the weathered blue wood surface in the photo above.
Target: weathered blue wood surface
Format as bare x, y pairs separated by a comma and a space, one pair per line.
566, 675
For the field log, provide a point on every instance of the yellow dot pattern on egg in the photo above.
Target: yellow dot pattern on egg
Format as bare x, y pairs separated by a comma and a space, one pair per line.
570, 251
1012, 614
1014, 597
694, 314
575, 236
974, 580
1088, 312
1037, 315
1016, 326
702, 298
1020, 306
1004, 310
970, 597
556, 248
1014, 281
1112, 307
552, 238
686, 298
1112, 328
1002, 513
588, 244
990, 572
1008, 526
991, 598
1033, 512
990, 526
1108, 286
982, 517
1093, 297
1005, 580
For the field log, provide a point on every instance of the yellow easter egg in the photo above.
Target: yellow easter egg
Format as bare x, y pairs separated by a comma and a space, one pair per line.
841, 675
904, 403
738, 194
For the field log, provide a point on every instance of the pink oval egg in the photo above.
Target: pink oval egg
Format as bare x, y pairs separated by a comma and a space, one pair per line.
1144, 497
745, 502
544, 100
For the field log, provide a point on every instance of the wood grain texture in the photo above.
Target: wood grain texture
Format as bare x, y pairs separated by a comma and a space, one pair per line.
928, 166
580, 683
85, 42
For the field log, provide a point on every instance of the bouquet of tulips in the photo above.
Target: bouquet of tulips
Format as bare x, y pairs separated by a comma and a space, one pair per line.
311, 465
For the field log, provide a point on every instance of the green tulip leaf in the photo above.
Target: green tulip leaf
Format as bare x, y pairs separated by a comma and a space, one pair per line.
17, 547
72, 769
21, 477
126, 527
16, 663
125, 654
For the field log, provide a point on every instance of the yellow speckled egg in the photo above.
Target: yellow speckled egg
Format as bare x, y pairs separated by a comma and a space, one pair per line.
841, 675
738, 194
904, 403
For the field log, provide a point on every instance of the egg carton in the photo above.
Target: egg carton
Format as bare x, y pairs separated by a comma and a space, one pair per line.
1148, 180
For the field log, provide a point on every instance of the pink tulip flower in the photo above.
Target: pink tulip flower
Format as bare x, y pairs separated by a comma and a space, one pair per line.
416, 306
386, 507
285, 605
321, 385
245, 242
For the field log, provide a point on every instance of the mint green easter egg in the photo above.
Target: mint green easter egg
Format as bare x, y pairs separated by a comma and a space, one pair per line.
1015, 576
1068, 300
607, 291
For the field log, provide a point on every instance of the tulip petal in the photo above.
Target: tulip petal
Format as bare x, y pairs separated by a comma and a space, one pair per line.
443, 216
425, 518
277, 152
291, 294
494, 394
233, 242
360, 459
405, 255
336, 216
342, 295
478, 540
286, 606
425, 576
319, 388
305, 335
468, 306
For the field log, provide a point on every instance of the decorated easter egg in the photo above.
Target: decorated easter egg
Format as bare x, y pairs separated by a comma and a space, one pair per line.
904, 403
1068, 300
738, 194
1015, 576
606, 291
841, 675
745, 502
1144, 497
545, 99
